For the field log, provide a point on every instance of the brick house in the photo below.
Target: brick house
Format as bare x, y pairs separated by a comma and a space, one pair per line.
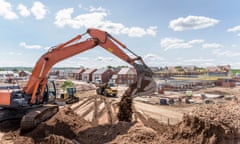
87, 74
66, 73
103, 75
24, 73
225, 83
6, 75
126, 76
77, 74
113, 78
54, 74
220, 71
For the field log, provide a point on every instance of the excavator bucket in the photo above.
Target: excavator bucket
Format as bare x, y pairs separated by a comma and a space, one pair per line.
145, 84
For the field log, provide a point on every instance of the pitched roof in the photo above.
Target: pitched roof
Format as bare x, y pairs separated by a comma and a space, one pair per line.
6, 72
88, 71
100, 71
127, 71
78, 70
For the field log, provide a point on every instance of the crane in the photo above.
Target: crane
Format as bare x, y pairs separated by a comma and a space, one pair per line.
34, 103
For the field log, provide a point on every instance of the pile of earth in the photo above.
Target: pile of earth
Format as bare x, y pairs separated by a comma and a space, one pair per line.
212, 124
208, 124
68, 128
125, 105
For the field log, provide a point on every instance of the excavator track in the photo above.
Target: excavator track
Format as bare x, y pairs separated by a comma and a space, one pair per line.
10, 114
36, 116
72, 100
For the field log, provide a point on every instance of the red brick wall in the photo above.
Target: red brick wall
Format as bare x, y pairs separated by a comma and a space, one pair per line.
126, 79
107, 75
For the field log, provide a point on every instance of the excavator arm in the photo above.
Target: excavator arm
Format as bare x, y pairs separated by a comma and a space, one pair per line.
37, 82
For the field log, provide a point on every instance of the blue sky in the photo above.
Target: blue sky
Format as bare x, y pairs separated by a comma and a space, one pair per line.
165, 33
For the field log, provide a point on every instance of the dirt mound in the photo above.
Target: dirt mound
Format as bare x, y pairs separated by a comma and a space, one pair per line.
138, 134
214, 124
56, 139
64, 126
68, 127
219, 92
104, 133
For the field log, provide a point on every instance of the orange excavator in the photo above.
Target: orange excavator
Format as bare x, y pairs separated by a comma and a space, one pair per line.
34, 103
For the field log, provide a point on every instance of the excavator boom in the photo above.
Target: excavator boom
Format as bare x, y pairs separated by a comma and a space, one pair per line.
34, 93
70, 48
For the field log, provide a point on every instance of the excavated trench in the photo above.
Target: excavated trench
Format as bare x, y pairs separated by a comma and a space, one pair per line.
213, 124
96, 120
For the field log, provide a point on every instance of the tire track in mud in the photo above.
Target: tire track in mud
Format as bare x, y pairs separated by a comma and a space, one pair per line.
81, 102
108, 110
147, 121
97, 109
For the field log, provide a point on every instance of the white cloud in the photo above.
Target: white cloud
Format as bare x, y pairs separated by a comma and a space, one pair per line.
234, 29
175, 43
97, 19
152, 30
6, 10
63, 17
196, 41
104, 59
23, 10
198, 60
39, 10
212, 45
192, 23
13, 63
97, 62
98, 9
134, 31
227, 53
23, 44
152, 57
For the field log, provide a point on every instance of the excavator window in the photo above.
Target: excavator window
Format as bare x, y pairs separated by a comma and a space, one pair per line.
111, 84
50, 92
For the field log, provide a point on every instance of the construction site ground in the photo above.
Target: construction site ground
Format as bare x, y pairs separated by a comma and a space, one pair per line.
93, 120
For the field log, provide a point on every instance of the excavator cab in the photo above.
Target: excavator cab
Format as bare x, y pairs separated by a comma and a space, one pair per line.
50, 92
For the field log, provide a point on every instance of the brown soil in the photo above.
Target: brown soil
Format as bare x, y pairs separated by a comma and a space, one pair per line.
94, 120
213, 124
125, 105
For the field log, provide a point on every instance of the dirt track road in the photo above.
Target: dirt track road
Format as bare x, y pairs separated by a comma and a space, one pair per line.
165, 114
100, 110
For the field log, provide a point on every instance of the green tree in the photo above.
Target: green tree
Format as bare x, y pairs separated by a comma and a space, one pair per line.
66, 84
15, 70
179, 68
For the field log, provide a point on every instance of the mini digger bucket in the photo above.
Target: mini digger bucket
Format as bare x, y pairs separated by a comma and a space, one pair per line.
145, 84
